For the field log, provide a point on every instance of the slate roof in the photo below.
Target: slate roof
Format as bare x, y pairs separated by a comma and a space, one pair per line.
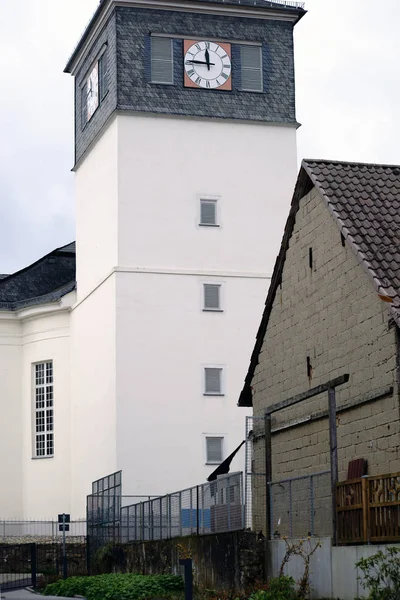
46, 280
364, 199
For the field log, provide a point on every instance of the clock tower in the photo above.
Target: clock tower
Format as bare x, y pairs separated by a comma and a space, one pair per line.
185, 162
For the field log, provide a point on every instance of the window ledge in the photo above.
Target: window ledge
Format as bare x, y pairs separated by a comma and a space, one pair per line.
42, 457
251, 91
208, 225
214, 463
162, 82
218, 310
212, 394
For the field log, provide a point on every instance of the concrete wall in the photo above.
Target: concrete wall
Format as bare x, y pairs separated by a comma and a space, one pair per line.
333, 569
332, 314
231, 562
96, 213
46, 480
11, 408
165, 165
93, 385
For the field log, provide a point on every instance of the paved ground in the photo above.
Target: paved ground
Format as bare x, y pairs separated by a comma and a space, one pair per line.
26, 595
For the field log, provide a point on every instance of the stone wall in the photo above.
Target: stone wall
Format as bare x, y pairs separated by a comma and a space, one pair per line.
231, 562
329, 314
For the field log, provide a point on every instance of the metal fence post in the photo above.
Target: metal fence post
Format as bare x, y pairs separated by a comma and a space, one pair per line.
290, 510
180, 513
312, 505
169, 516
33, 565
228, 499
187, 564
191, 510
161, 520
197, 511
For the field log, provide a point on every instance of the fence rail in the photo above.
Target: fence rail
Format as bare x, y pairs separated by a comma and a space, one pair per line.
368, 509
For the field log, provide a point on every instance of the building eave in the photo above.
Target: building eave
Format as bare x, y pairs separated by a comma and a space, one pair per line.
105, 9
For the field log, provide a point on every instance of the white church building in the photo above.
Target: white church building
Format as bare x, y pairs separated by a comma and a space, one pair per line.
128, 349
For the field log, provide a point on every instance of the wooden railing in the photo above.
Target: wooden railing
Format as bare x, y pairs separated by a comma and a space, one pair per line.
368, 509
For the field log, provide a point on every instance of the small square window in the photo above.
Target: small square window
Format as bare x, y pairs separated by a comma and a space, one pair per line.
213, 381
212, 296
214, 450
208, 213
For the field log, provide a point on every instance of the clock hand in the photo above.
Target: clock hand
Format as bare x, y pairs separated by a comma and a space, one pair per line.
207, 57
200, 62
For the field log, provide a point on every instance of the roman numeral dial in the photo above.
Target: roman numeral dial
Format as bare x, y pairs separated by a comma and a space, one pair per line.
207, 65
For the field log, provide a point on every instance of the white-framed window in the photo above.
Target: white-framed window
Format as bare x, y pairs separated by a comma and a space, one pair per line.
251, 60
214, 450
208, 212
162, 62
43, 409
212, 297
213, 381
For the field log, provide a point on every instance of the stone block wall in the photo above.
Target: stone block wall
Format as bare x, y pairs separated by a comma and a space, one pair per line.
329, 312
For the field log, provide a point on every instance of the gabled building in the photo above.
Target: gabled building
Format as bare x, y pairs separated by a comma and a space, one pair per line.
185, 157
333, 308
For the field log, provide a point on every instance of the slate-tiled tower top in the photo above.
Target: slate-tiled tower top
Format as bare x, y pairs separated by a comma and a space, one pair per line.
122, 31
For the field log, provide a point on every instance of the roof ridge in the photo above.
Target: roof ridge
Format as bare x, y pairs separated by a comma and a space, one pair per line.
348, 162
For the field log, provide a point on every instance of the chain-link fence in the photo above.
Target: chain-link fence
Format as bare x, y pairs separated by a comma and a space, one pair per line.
212, 507
299, 506
302, 506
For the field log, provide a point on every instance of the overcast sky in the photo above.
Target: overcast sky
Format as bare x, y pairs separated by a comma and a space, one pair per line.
347, 72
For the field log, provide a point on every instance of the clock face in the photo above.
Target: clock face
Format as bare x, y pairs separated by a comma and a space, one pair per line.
207, 65
93, 91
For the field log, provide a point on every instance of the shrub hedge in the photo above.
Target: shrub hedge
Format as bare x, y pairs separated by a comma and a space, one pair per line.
117, 586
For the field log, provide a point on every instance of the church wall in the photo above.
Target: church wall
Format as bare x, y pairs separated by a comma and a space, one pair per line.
46, 481
10, 422
93, 392
96, 213
164, 340
165, 165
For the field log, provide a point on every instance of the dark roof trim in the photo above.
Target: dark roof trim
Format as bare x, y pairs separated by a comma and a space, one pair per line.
303, 186
254, 5
47, 298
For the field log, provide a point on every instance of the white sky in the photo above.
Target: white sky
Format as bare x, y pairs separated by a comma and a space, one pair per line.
347, 72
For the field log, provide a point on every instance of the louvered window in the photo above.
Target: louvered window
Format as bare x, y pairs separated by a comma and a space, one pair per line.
212, 381
212, 296
43, 410
251, 68
214, 449
103, 75
161, 60
208, 213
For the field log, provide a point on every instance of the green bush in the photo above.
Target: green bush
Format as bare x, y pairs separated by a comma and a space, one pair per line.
279, 588
381, 574
117, 587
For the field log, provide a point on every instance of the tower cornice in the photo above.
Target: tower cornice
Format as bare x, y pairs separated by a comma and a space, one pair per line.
252, 10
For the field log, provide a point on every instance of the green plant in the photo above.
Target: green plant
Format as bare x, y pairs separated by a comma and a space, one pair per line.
279, 588
381, 574
117, 586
